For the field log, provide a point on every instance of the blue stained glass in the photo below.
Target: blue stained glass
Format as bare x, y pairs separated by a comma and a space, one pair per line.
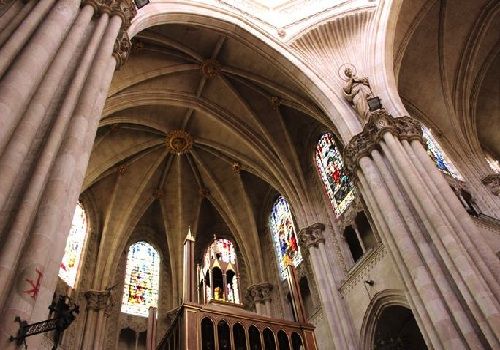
74, 247
142, 279
284, 236
438, 156
331, 169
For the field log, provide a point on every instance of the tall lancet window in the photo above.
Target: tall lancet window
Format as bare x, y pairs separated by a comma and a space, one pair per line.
142, 279
438, 156
331, 169
284, 236
74, 247
219, 275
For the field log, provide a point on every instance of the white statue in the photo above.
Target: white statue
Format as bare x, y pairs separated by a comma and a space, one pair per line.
358, 91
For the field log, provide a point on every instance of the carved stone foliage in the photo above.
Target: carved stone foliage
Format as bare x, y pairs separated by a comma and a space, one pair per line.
261, 292
125, 9
312, 236
379, 123
98, 299
492, 182
122, 48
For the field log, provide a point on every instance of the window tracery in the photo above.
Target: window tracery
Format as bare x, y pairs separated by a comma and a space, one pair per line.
438, 156
331, 169
68, 269
284, 236
142, 278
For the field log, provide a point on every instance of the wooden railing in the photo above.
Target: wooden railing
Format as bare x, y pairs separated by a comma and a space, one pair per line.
221, 326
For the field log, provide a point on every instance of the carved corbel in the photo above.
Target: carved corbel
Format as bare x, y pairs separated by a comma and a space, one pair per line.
121, 50
492, 182
312, 236
98, 299
379, 123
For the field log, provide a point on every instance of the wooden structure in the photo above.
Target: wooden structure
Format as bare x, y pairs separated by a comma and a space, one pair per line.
224, 326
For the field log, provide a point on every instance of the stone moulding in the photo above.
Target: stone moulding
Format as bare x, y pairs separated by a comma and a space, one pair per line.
379, 123
361, 269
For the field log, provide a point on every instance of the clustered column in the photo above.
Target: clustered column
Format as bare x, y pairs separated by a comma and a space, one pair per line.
98, 305
312, 240
450, 273
58, 59
260, 294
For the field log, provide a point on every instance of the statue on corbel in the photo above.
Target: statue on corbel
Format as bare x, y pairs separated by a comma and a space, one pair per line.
358, 92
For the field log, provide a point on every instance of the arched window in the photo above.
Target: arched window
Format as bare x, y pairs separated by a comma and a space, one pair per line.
142, 279
219, 274
438, 156
331, 169
284, 236
74, 247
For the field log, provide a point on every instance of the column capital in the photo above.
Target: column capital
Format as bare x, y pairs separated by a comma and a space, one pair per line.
260, 292
125, 9
312, 235
492, 182
97, 299
379, 123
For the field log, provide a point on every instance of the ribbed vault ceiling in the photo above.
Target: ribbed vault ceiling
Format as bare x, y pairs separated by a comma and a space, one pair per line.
447, 60
241, 111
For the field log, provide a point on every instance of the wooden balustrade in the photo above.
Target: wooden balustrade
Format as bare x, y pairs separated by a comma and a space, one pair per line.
222, 326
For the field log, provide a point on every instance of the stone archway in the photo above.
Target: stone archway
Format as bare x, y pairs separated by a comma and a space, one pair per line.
381, 319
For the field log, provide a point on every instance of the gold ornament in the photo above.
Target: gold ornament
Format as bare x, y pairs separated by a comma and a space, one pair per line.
179, 141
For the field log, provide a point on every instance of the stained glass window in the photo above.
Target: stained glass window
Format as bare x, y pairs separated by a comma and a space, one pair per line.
74, 246
438, 156
284, 236
331, 169
142, 279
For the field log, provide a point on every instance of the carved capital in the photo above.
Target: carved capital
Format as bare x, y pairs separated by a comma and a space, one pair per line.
97, 299
122, 47
125, 9
492, 182
312, 236
379, 123
260, 292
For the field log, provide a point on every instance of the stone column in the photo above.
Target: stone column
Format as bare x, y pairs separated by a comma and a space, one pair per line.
450, 273
55, 71
339, 320
297, 302
98, 303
